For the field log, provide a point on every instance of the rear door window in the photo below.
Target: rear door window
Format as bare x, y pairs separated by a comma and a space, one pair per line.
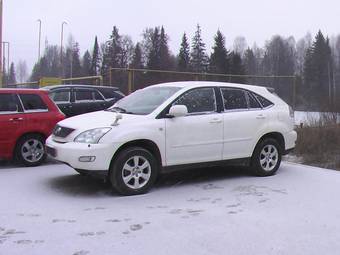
59, 96
84, 95
234, 99
32, 102
8, 104
253, 103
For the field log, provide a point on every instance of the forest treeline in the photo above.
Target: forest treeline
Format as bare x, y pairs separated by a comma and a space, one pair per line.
314, 60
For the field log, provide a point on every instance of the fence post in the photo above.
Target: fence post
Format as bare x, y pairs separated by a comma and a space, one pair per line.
129, 81
294, 93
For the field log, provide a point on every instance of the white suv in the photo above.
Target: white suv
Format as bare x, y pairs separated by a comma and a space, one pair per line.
175, 126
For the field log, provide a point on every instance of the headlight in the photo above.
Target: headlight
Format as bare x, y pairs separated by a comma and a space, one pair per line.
91, 136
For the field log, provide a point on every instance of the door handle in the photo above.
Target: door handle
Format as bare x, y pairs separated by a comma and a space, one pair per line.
16, 119
215, 121
260, 117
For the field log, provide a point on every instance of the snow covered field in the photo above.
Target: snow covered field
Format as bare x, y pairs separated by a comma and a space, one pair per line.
52, 210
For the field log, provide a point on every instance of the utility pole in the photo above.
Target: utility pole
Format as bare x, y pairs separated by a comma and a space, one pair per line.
39, 42
4, 62
61, 48
1, 74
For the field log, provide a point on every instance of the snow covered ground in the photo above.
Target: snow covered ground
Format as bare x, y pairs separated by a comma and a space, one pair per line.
52, 210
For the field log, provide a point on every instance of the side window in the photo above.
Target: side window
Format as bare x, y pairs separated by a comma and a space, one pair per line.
234, 99
97, 96
60, 96
84, 95
32, 102
8, 103
253, 103
198, 100
264, 102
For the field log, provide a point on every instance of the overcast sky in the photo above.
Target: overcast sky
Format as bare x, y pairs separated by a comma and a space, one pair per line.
256, 20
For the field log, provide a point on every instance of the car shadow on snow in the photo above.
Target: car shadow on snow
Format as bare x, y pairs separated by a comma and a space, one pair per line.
77, 185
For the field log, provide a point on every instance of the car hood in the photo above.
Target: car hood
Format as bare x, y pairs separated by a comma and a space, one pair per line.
99, 119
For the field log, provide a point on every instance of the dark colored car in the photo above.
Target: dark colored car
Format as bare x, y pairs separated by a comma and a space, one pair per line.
78, 99
27, 118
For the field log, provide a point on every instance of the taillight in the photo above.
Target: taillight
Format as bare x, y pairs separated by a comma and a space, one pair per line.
291, 112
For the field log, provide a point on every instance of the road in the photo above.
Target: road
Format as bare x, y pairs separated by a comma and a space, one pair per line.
52, 210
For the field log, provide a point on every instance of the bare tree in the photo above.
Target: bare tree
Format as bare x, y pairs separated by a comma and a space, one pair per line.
21, 71
240, 45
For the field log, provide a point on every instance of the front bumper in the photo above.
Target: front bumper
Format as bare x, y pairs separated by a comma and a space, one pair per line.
73, 154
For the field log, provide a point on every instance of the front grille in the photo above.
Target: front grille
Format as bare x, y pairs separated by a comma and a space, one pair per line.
62, 132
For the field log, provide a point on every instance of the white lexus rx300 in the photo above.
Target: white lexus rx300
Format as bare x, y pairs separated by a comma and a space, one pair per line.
174, 126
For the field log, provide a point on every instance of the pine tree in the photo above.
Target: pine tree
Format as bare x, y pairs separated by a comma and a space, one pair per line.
76, 65
250, 62
318, 72
137, 58
199, 59
11, 75
154, 61
183, 63
236, 67
95, 61
219, 62
164, 52
112, 52
86, 64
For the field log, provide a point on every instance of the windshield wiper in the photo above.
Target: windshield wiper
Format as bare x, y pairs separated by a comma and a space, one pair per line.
119, 109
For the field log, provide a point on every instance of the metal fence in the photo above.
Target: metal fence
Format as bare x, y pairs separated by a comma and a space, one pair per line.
88, 80
128, 80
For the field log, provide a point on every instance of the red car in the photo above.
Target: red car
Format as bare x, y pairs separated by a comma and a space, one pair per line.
27, 118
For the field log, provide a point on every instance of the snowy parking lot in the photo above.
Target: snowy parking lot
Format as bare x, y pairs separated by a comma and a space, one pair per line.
52, 210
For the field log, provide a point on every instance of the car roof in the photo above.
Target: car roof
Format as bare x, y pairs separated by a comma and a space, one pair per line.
78, 86
195, 84
20, 90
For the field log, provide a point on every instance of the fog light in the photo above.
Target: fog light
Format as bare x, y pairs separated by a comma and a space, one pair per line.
87, 158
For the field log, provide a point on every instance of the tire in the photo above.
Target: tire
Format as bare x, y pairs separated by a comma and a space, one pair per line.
30, 150
133, 171
81, 172
266, 158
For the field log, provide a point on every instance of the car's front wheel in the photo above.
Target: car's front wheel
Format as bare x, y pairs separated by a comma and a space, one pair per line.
266, 158
30, 150
133, 171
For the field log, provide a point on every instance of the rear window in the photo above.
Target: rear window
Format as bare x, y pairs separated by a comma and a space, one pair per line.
111, 94
234, 99
263, 101
32, 102
8, 103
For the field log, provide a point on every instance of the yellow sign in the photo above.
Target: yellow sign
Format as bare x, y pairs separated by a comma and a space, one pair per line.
46, 81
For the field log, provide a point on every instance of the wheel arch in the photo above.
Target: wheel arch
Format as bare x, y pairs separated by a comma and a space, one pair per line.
143, 143
274, 135
44, 136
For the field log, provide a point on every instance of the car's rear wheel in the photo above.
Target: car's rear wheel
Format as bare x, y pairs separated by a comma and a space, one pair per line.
133, 171
30, 150
266, 158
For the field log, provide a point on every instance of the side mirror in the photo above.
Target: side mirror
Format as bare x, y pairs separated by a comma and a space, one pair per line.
178, 111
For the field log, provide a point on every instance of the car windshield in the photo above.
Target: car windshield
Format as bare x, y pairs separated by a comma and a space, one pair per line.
144, 101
